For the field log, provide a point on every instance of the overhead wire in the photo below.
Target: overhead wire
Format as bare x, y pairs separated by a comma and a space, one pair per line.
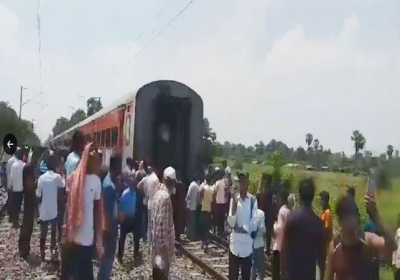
137, 37
155, 37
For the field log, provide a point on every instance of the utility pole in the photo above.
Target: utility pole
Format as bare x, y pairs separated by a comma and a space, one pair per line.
20, 101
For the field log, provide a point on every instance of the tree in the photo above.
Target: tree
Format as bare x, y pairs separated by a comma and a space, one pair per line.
208, 132
93, 105
260, 148
78, 116
209, 150
62, 124
10, 123
309, 139
396, 153
300, 154
359, 141
389, 151
316, 144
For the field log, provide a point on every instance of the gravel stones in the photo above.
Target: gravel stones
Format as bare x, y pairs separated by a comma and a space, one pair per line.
12, 267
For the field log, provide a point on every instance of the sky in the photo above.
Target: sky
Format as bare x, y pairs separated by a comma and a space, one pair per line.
265, 69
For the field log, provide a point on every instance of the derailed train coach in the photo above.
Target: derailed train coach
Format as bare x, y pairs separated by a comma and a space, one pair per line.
162, 122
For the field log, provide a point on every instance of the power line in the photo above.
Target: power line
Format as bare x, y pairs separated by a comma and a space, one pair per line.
114, 66
155, 37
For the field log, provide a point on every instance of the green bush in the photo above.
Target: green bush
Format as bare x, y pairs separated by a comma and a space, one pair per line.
334, 167
238, 164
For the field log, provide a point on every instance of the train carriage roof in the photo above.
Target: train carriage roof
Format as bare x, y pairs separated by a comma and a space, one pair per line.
125, 99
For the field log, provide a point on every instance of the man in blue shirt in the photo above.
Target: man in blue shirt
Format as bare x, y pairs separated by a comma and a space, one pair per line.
110, 236
127, 211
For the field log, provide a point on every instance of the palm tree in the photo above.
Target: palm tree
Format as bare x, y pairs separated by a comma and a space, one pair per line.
359, 143
316, 144
309, 139
389, 151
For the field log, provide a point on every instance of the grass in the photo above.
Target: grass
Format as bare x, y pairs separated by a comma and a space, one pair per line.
388, 202
336, 184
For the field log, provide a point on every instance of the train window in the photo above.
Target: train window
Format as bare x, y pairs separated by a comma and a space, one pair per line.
108, 137
114, 136
103, 138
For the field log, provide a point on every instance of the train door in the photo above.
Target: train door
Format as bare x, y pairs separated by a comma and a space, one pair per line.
171, 133
128, 138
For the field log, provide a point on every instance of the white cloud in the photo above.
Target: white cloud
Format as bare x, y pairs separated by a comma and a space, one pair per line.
297, 82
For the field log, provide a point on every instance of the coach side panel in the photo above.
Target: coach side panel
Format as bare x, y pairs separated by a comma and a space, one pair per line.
129, 132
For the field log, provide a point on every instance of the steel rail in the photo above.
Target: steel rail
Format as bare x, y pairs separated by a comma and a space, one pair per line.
203, 265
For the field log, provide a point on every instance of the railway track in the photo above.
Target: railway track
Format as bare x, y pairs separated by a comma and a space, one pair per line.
215, 261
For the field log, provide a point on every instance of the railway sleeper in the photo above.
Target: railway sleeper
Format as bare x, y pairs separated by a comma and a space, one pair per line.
225, 243
205, 266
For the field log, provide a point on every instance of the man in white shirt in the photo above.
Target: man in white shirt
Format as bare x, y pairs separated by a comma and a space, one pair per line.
10, 162
192, 201
16, 188
258, 247
47, 191
151, 186
142, 187
279, 225
243, 221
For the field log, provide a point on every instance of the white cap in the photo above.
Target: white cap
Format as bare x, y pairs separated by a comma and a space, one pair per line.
217, 169
169, 173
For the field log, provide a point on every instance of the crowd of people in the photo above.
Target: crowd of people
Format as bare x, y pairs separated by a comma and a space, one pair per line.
296, 240
91, 206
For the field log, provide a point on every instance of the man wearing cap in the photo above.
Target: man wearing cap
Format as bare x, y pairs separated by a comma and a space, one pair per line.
162, 228
242, 219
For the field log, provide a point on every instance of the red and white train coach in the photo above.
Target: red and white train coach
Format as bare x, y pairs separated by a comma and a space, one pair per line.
161, 122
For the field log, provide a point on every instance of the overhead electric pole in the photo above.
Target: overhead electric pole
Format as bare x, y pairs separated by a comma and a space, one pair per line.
20, 101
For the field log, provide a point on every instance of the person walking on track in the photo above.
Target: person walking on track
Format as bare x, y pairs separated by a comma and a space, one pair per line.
10, 162
258, 251
110, 235
85, 213
192, 201
303, 238
220, 201
30, 201
243, 221
288, 201
127, 216
16, 188
206, 198
162, 228
151, 186
50, 184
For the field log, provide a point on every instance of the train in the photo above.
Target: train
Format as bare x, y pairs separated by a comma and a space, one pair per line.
161, 122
